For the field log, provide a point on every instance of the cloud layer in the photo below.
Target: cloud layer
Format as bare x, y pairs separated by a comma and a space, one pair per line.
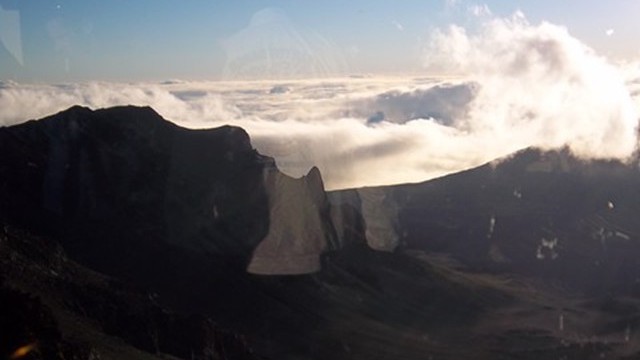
520, 85
539, 85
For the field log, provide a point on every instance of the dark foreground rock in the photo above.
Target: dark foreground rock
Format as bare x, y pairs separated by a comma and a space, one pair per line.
54, 308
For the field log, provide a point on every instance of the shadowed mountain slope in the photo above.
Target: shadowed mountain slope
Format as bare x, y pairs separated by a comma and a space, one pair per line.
125, 236
537, 213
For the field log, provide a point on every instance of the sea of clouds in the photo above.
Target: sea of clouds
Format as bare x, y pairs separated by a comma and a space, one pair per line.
517, 85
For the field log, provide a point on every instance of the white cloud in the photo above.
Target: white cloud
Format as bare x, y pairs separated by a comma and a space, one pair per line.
520, 85
539, 86
320, 122
443, 103
609, 32
21, 102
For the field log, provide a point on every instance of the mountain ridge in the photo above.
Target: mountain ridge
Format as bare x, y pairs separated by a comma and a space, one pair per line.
178, 216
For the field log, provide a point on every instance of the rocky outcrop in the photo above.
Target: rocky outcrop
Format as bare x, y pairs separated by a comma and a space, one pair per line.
300, 227
346, 216
380, 214
112, 183
367, 215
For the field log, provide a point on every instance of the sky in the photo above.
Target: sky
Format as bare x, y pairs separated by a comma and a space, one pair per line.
123, 40
371, 92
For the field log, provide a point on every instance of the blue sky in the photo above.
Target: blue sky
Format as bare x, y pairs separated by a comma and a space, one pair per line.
124, 40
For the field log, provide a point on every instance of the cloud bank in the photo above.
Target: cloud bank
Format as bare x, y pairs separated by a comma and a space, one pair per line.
539, 85
519, 85
443, 103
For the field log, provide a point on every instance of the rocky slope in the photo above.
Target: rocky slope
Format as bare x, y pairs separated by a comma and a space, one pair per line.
543, 214
173, 211
55, 308
126, 236
559, 235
